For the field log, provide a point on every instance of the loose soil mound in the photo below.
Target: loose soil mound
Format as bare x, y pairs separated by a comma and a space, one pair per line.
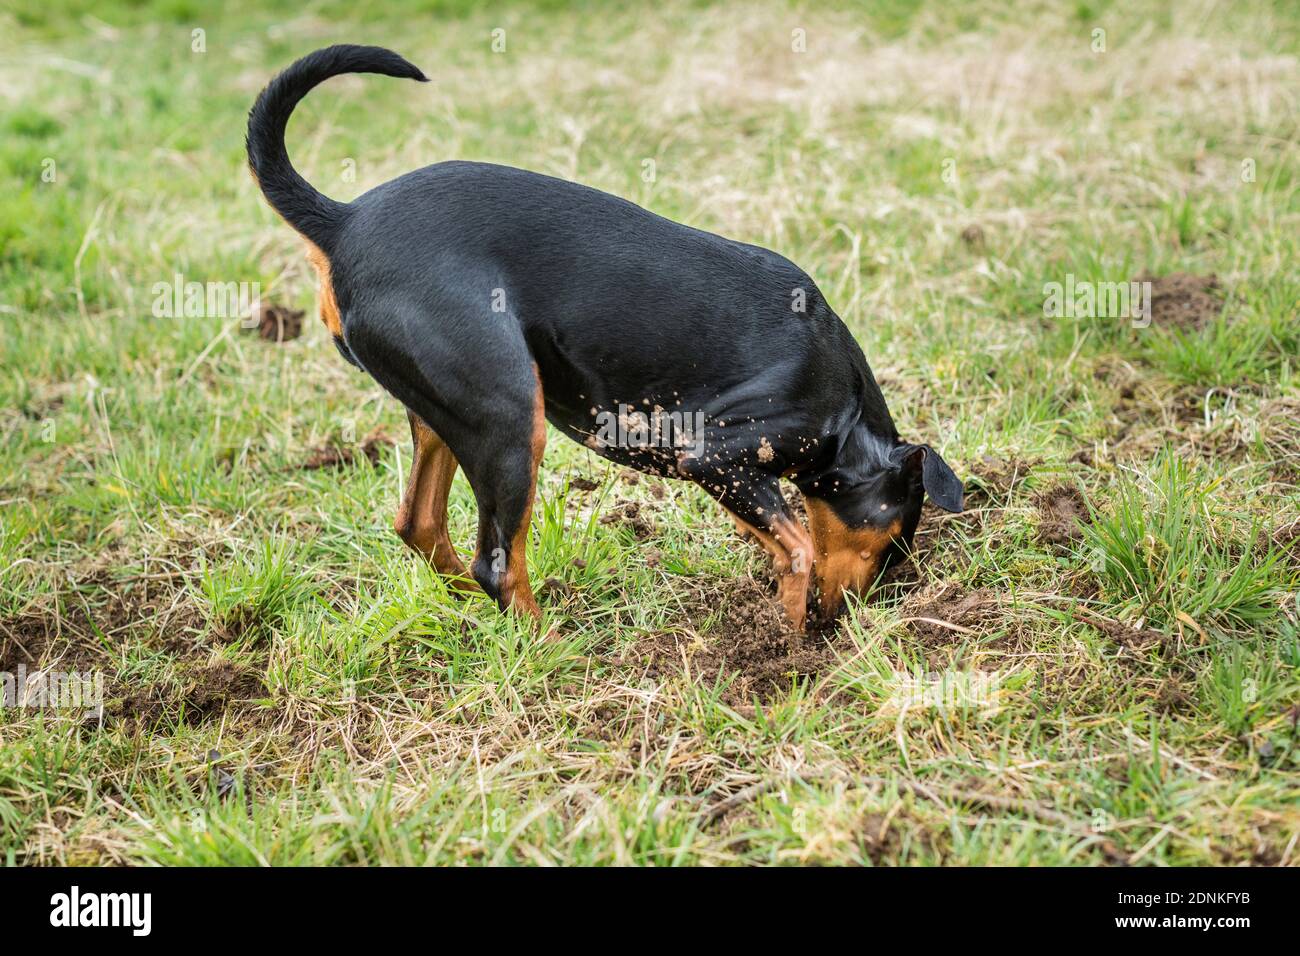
951, 615
278, 323
1063, 511
341, 456
1184, 301
749, 642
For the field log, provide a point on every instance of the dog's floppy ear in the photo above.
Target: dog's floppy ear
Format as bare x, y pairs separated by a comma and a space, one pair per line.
943, 487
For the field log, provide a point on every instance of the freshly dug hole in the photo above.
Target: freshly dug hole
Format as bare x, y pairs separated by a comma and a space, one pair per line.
749, 640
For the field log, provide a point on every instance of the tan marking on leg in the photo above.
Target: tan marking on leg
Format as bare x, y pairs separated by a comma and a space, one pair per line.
329, 307
422, 515
516, 592
791, 548
844, 558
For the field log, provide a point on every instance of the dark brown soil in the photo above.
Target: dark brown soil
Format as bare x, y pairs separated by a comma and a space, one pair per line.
1173, 698
1183, 301
973, 237
335, 455
1063, 511
950, 615
72, 634
212, 688
201, 693
583, 484
35, 640
73, 638
1128, 637
995, 479
278, 323
750, 643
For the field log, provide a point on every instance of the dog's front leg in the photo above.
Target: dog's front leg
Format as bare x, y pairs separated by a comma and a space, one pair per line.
754, 499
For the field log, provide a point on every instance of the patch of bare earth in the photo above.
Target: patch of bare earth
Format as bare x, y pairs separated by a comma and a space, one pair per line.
950, 617
994, 480
1184, 301
335, 455
201, 692
749, 642
89, 638
1063, 512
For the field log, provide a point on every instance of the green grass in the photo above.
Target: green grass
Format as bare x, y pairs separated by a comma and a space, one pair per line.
287, 685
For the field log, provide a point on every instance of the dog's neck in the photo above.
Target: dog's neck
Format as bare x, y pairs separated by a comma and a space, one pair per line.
862, 450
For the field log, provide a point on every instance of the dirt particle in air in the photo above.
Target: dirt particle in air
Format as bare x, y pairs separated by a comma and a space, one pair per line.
633, 515
973, 237
794, 504
581, 483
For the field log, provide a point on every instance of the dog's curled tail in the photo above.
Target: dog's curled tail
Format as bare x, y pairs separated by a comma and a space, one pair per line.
314, 215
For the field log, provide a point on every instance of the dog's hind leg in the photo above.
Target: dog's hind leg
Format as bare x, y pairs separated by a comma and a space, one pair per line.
468, 375
422, 515
503, 475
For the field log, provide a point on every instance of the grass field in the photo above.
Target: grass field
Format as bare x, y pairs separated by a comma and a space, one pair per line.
1097, 663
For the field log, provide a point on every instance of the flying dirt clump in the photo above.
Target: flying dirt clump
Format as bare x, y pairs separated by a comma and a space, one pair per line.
634, 515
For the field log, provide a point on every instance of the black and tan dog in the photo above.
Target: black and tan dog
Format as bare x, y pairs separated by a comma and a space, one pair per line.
490, 300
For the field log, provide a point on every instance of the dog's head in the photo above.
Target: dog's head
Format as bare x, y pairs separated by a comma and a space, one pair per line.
861, 526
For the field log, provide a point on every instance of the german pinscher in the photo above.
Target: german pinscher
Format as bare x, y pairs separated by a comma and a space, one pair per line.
490, 300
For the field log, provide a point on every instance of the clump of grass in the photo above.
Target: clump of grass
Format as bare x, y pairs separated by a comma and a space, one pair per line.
1224, 353
253, 593
1161, 555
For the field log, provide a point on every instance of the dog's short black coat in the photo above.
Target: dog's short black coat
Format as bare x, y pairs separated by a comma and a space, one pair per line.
460, 285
